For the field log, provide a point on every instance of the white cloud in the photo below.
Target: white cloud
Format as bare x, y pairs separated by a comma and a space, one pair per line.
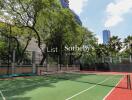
100, 41
77, 5
116, 10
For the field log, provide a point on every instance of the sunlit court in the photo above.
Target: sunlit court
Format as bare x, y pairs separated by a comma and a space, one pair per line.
62, 86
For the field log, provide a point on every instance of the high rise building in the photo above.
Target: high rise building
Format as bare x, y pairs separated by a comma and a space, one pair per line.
65, 4
106, 36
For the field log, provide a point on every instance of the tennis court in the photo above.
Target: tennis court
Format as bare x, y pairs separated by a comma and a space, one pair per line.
63, 86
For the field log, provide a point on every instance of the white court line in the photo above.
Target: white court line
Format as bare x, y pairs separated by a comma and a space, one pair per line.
87, 89
2, 95
113, 88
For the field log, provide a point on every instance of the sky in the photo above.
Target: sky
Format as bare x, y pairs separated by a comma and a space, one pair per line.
98, 15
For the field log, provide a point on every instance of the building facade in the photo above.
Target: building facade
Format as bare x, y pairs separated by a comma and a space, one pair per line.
65, 4
106, 36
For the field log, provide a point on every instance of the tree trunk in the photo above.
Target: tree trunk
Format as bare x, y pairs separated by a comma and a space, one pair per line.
44, 53
22, 54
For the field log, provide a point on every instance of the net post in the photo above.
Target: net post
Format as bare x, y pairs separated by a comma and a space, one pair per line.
129, 82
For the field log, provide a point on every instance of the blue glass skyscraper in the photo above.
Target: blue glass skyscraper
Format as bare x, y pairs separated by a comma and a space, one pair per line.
65, 4
106, 36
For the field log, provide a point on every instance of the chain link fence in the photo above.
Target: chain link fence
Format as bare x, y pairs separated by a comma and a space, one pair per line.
32, 62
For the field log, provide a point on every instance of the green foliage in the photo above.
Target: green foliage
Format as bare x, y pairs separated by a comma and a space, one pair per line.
115, 45
46, 21
102, 50
128, 45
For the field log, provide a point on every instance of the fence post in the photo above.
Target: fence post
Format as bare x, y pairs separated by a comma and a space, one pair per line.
0, 62
110, 59
33, 62
130, 58
67, 67
13, 63
58, 64
120, 60
47, 62
103, 60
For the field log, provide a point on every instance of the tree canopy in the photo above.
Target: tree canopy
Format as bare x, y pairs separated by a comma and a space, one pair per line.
46, 21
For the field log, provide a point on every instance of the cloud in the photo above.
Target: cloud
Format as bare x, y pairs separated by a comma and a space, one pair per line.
77, 5
100, 41
116, 10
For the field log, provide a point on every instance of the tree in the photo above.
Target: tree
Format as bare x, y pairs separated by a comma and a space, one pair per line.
128, 45
19, 39
102, 50
47, 22
115, 45
64, 32
32, 15
85, 39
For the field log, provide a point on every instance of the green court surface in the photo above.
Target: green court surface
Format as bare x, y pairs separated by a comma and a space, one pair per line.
59, 87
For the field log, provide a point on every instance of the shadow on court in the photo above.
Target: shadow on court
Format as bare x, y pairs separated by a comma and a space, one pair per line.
19, 86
